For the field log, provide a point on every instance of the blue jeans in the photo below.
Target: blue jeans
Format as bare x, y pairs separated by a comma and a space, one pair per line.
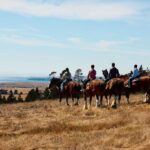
130, 81
63, 84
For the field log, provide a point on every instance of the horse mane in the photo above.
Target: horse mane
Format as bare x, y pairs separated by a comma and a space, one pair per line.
61, 74
105, 73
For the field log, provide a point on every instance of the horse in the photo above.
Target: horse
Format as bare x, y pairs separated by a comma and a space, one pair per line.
94, 88
124, 77
72, 88
140, 85
115, 87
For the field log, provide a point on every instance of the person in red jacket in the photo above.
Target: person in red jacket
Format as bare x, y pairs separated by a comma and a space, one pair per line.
92, 73
91, 76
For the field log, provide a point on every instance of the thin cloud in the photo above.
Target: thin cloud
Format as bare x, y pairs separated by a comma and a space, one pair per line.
103, 46
75, 40
31, 42
75, 10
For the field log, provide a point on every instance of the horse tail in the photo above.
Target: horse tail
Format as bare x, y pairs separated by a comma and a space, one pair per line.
78, 88
102, 86
121, 86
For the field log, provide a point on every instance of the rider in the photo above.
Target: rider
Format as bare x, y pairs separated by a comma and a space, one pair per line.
65, 77
91, 75
114, 72
134, 75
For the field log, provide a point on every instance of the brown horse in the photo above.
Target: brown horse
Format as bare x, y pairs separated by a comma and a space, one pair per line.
94, 88
71, 89
115, 87
124, 77
140, 85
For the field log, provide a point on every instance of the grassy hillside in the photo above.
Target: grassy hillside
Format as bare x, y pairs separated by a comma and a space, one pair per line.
47, 125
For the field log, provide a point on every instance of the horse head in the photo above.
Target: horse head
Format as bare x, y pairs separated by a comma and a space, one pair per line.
105, 73
54, 83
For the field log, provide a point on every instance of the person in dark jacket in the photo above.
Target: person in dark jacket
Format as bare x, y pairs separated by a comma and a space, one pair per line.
114, 72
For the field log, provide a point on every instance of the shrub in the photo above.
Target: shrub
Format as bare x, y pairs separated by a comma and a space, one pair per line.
33, 95
20, 99
1, 99
11, 98
16, 92
46, 94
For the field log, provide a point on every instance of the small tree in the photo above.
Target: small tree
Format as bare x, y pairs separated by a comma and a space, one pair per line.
46, 94
4, 99
1, 99
38, 94
11, 98
141, 69
16, 92
20, 99
31, 96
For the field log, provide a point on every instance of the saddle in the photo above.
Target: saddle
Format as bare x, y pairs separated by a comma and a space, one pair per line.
136, 80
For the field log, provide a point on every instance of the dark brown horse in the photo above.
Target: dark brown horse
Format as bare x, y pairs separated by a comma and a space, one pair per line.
94, 88
71, 89
115, 87
140, 85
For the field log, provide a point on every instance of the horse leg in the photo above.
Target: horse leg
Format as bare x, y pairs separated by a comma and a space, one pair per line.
127, 93
147, 98
119, 98
114, 105
97, 101
101, 101
77, 102
108, 100
67, 100
90, 101
72, 99
85, 100
60, 97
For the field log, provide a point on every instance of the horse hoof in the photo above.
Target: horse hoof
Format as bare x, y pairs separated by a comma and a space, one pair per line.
85, 107
146, 101
98, 106
76, 104
114, 106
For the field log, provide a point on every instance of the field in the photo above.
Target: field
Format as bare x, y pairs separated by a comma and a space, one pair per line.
46, 125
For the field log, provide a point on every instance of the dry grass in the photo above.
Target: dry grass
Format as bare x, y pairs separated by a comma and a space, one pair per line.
44, 125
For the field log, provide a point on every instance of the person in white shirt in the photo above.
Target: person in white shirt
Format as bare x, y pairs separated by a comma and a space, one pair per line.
134, 75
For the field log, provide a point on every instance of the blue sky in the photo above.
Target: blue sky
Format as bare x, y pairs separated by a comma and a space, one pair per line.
40, 36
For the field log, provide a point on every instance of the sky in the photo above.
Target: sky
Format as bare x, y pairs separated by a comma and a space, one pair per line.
41, 36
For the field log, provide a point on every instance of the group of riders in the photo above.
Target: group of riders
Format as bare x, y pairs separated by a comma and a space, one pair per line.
113, 73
